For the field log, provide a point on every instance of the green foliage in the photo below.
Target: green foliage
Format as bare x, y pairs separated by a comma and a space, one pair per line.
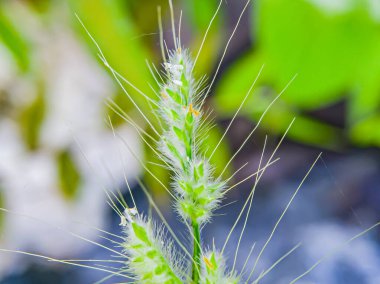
13, 39
68, 175
111, 25
197, 193
200, 13
31, 119
122, 102
140, 233
366, 132
334, 53
214, 270
148, 256
40, 6
115, 28
328, 50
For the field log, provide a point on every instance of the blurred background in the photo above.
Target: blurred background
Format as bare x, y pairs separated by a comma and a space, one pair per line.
59, 153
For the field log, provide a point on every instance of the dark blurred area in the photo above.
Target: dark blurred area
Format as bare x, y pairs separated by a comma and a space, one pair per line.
59, 154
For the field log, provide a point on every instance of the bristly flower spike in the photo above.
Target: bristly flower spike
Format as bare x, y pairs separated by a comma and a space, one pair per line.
214, 271
150, 257
198, 192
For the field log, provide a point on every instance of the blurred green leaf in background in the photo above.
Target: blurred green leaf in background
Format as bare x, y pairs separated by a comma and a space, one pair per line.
31, 119
110, 23
68, 175
334, 49
11, 37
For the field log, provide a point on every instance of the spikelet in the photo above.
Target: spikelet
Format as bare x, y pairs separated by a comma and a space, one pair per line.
213, 270
150, 258
199, 193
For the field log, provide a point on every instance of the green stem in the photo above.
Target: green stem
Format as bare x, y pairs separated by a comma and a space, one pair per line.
196, 253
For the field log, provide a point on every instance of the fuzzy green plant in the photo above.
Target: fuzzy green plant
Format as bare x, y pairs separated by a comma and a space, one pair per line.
196, 192
150, 258
150, 252
214, 270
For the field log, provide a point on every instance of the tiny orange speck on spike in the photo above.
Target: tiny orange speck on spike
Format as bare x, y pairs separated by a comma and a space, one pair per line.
164, 95
192, 110
208, 263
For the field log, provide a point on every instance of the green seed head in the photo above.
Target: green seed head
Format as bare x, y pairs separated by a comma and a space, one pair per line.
198, 192
149, 261
213, 270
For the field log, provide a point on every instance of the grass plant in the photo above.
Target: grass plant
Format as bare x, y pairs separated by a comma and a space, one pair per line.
153, 253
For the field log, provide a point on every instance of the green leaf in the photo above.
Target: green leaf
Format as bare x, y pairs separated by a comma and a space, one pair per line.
139, 259
277, 119
140, 233
364, 100
160, 269
174, 151
367, 131
213, 260
152, 254
326, 49
200, 13
174, 95
116, 114
198, 171
111, 26
189, 120
332, 53
13, 39
31, 119
178, 132
68, 175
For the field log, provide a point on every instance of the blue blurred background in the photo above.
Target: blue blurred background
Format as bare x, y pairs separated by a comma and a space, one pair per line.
59, 155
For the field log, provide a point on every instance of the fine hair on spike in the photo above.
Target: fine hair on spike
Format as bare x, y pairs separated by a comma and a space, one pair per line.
224, 52
176, 131
206, 33
161, 33
173, 23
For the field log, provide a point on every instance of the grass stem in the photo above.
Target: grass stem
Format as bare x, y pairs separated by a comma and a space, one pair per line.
196, 253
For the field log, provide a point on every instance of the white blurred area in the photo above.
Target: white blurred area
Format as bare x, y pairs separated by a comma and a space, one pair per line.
359, 257
41, 218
